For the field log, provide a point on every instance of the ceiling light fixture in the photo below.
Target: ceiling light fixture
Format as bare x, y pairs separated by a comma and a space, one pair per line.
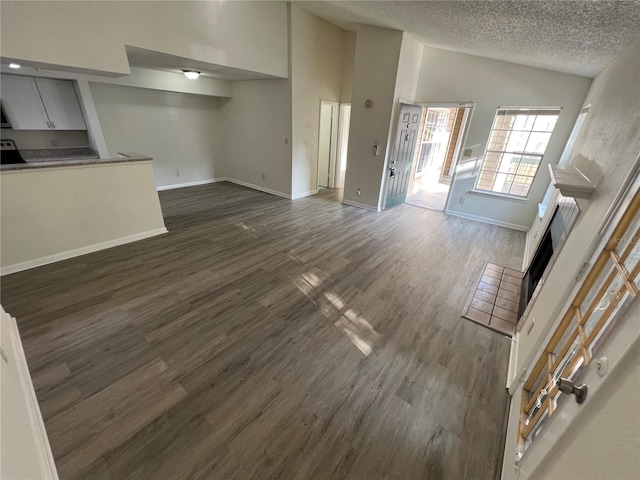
14, 65
191, 74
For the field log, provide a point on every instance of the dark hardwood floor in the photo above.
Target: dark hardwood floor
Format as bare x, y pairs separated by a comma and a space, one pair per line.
268, 338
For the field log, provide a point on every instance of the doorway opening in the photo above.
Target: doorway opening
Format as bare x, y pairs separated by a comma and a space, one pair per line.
343, 142
442, 131
333, 139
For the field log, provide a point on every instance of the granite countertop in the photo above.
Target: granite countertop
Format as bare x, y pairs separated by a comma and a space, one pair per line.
57, 154
66, 157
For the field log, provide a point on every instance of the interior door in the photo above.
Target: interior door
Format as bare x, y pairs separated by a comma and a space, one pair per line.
399, 169
327, 144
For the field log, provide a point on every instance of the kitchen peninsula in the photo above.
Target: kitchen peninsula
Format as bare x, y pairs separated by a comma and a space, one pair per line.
62, 207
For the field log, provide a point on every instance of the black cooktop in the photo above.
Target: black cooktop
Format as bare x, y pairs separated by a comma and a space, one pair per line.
9, 153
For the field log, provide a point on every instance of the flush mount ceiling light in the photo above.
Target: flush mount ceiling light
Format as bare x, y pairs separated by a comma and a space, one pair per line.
191, 74
14, 65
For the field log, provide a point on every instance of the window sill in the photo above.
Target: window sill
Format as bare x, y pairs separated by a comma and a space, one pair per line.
500, 196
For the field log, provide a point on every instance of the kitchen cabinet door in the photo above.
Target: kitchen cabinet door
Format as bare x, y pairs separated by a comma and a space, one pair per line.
22, 103
61, 104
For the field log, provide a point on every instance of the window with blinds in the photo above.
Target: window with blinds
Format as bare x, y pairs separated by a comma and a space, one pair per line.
517, 143
607, 290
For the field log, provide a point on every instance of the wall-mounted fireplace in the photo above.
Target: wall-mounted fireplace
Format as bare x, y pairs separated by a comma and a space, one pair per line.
562, 221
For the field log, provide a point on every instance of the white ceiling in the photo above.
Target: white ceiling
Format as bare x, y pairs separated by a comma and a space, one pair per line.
140, 57
579, 37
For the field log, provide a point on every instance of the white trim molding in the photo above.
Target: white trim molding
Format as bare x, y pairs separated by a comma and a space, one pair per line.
478, 218
26, 412
189, 184
56, 257
360, 205
237, 182
305, 194
256, 187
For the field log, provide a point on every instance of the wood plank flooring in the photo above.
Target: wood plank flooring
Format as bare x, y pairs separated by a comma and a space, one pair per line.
267, 338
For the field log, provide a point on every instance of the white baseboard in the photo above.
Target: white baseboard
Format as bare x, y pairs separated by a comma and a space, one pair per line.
232, 180
360, 205
255, 187
527, 246
305, 194
477, 218
189, 184
56, 257
512, 374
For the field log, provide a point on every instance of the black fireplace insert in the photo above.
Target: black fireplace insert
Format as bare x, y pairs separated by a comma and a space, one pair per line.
552, 238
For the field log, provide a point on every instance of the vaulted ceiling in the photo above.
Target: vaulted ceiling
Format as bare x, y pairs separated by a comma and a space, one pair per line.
579, 37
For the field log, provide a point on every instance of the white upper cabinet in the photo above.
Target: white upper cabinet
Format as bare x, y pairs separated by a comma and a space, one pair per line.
61, 103
22, 103
41, 104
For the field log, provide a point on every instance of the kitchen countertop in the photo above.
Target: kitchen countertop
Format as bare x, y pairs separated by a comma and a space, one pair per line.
67, 159
57, 154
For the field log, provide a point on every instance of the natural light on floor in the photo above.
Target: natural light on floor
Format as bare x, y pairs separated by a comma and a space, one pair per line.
358, 330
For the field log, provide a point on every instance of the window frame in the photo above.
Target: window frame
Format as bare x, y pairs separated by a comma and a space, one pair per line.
476, 189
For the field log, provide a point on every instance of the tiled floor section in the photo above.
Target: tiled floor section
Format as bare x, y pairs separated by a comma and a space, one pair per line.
496, 299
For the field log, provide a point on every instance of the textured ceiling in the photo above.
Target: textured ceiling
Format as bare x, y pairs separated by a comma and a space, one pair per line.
579, 37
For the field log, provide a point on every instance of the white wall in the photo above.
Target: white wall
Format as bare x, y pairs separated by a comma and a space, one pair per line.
405, 90
48, 214
25, 452
455, 77
316, 74
90, 36
386, 70
139, 77
142, 78
181, 132
348, 58
374, 78
408, 73
165, 81
257, 135
609, 143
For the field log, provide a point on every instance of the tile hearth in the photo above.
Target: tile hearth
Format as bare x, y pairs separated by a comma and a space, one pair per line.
495, 301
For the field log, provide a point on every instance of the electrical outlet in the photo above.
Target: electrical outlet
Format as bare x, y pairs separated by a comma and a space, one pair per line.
264, 176
359, 191
462, 199
177, 172
467, 152
602, 366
